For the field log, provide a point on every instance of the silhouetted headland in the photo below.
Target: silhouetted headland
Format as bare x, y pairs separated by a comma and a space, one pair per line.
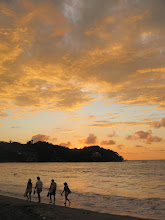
47, 152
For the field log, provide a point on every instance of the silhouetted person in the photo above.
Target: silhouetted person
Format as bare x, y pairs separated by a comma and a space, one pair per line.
52, 190
39, 188
67, 192
29, 189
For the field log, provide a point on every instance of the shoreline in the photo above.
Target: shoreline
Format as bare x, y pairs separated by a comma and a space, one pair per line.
14, 208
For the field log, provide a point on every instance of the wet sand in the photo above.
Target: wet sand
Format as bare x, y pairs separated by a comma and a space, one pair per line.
20, 209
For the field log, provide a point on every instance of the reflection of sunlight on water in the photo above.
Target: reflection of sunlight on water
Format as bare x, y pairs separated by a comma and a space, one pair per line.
105, 187
88, 177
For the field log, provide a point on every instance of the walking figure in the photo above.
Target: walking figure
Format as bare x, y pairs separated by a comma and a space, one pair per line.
29, 190
39, 188
52, 190
67, 192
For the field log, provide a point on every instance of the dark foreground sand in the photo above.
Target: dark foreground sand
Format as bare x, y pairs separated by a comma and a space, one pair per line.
18, 209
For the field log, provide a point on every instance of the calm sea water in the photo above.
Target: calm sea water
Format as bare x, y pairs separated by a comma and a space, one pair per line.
134, 188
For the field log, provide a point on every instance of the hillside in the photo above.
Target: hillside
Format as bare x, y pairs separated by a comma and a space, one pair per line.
47, 152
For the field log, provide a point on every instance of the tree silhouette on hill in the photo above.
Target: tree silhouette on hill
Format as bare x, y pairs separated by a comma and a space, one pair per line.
47, 152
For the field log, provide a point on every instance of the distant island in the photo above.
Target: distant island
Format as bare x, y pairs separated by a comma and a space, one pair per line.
47, 152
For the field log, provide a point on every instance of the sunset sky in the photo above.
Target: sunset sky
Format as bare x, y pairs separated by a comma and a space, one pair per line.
84, 72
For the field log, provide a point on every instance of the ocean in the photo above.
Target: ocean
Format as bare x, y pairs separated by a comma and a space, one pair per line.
135, 188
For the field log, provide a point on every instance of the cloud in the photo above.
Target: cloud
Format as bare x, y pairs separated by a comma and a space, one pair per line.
161, 150
91, 139
145, 136
110, 142
107, 124
72, 10
146, 110
120, 146
68, 144
138, 146
15, 127
140, 135
110, 114
91, 117
3, 114
139, 17
100, 27
105, 121
113, 134
158, 124
29, 86
53, 139
145, 120
40, 137
49, 48
64, 131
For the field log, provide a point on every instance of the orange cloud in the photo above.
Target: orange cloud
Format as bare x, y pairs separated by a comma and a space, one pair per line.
138, 17
106, 124
146, 136
147, 110
158, 124
100, 27
64, 131
40, 137
91, 139
139, 146
3, 114
48, 14
68, 144
53, 139
144, 71
110, 114
120, 146
110, 142
91, 117
46, 58
113, 134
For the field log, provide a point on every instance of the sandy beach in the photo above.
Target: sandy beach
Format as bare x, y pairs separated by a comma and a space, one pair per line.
15, 209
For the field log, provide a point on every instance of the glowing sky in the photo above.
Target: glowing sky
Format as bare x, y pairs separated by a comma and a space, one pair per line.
84, 72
